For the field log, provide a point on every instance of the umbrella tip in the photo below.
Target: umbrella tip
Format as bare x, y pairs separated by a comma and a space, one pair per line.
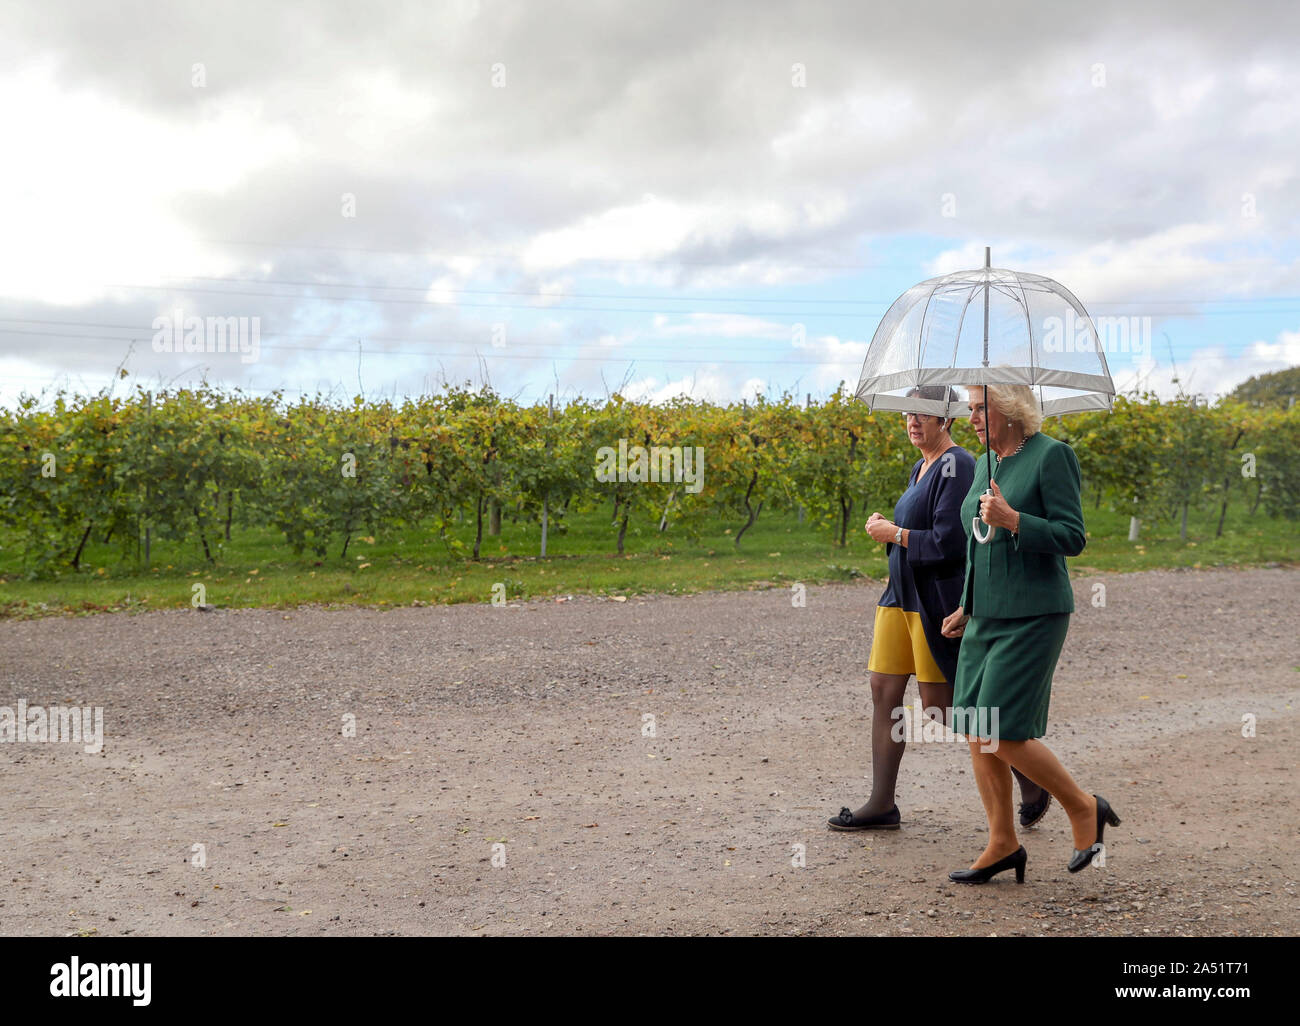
988, 257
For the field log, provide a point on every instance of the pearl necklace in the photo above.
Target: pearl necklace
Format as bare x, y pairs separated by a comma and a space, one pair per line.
1018, 448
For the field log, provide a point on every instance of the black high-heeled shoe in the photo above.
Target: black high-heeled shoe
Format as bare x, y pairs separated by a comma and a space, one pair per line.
1082, 858
1016, 860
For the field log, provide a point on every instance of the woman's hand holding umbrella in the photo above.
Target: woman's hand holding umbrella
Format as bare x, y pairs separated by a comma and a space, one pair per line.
996, 512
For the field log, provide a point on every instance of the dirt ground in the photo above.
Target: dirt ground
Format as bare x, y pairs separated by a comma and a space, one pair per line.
524, 727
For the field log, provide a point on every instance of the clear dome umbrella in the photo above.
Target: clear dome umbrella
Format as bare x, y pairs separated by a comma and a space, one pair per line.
988, 326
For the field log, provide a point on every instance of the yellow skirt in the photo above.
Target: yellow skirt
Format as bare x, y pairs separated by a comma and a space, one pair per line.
898, 646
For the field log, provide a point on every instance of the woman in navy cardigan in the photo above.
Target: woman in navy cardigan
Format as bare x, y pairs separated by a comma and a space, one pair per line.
926, 546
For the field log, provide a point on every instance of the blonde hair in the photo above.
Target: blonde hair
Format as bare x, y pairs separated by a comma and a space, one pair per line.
1018, 404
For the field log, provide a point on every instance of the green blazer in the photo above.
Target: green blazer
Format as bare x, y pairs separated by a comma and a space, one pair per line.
1025, 574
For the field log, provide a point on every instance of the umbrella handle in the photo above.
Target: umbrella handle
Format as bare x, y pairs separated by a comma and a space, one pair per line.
977, 524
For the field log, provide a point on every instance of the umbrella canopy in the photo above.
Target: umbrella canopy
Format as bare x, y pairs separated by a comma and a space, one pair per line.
988, 326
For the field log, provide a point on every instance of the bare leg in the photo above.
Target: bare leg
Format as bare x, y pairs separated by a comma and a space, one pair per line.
940, 696
993, 777
1029, 791
1036, 759
887, 691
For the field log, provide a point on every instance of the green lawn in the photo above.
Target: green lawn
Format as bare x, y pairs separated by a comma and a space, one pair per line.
256, 569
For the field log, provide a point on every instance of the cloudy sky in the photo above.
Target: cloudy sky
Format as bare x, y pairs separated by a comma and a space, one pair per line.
711, 198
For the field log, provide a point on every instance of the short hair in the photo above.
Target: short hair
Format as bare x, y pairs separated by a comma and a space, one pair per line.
1017, 403
940, 393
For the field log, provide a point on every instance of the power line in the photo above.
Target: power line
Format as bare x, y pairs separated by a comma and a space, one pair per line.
641, 296
555, 357
481, 351
512, 257
136, 333
389, 300
518, 292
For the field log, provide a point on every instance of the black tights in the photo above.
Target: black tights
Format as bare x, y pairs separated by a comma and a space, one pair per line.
887, 695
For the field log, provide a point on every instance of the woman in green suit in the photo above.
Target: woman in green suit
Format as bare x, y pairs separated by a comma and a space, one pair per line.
1013, 619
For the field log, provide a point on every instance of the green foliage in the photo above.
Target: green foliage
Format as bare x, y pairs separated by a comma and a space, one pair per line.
1278, 389
848, 460
190, 466
1273, 439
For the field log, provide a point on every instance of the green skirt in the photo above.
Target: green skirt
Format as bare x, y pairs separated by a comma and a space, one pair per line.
1004, 675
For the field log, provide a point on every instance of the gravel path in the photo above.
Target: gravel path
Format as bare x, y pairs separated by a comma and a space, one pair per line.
525, 727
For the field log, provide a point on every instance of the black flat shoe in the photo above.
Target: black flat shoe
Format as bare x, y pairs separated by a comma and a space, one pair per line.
1032, 812
882, 821
1083, 858
1016, 860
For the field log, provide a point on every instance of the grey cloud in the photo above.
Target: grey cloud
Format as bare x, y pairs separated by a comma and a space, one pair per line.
606, 102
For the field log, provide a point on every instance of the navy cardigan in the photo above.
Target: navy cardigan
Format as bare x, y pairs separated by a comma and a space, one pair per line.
927, 575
